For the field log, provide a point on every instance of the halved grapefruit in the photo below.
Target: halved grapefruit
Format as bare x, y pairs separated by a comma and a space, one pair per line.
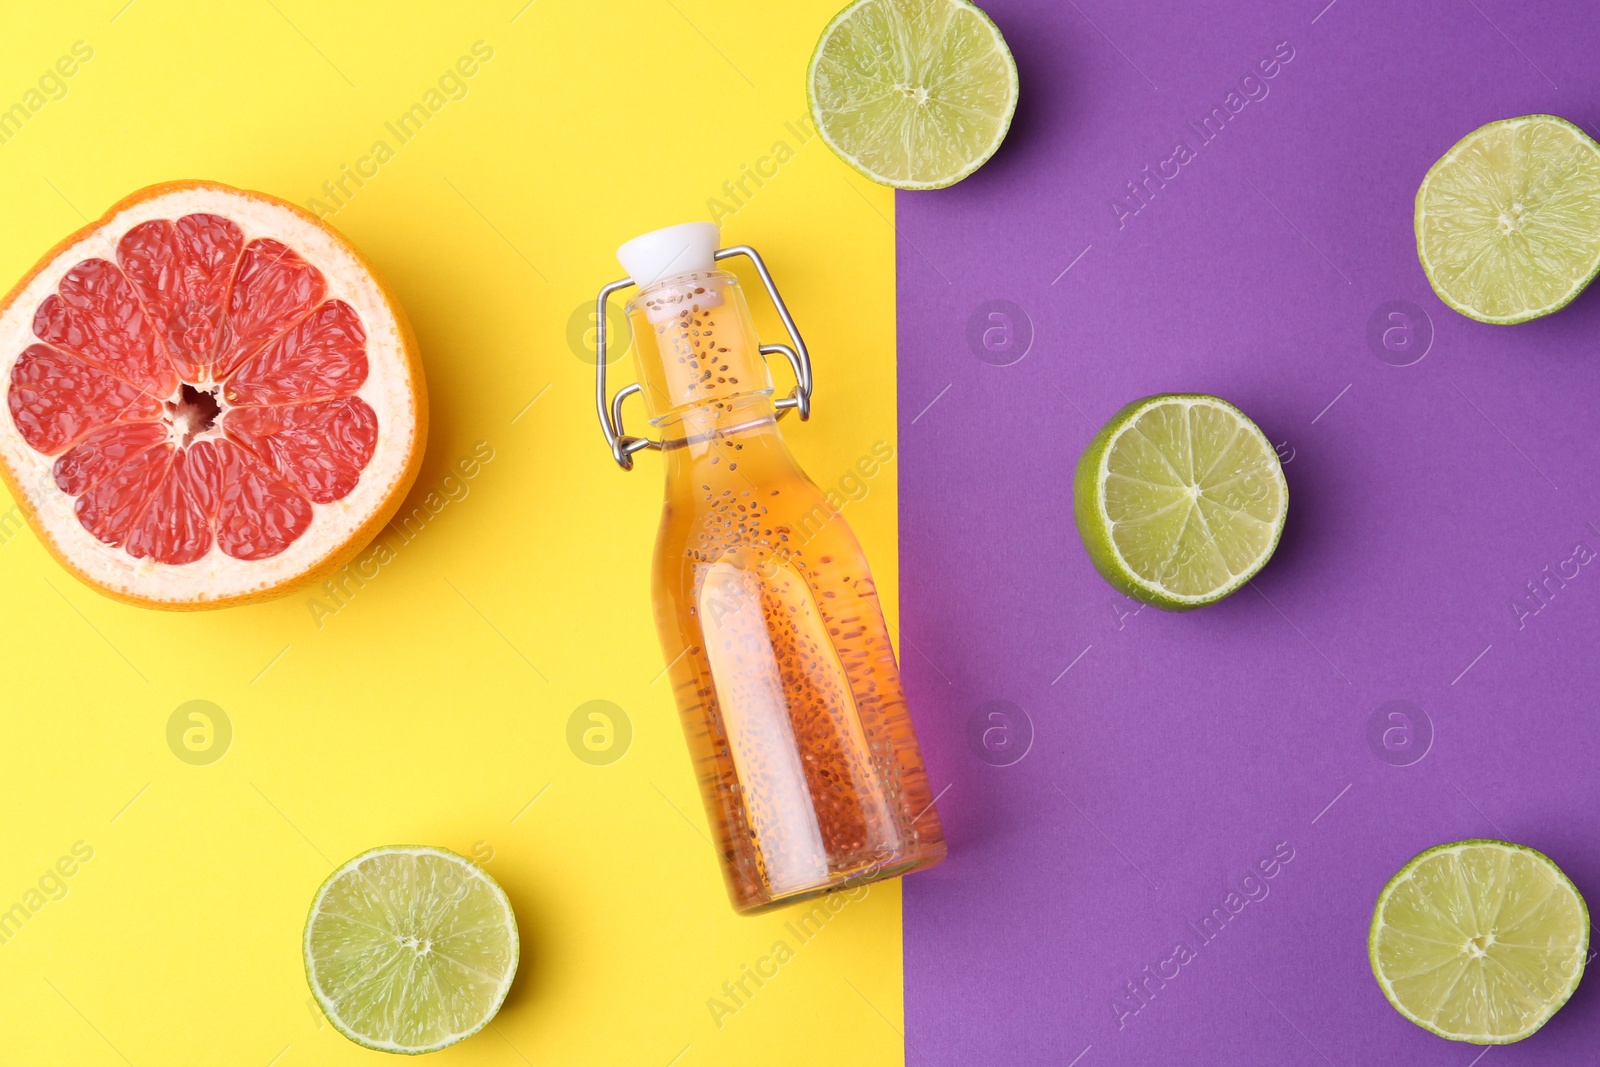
211, 398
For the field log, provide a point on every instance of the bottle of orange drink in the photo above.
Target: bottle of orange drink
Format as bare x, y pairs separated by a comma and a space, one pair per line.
771, 627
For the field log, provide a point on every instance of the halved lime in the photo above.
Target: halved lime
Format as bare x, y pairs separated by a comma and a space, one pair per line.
1479, 941
1180, 500
916, 94
409, 949
1508, 222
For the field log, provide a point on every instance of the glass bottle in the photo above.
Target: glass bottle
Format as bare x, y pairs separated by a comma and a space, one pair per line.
775, 641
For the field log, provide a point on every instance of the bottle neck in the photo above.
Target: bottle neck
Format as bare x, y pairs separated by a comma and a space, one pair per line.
726, 444
698, 355
696, 425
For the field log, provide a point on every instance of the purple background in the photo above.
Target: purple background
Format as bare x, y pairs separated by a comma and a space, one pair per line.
1180, 749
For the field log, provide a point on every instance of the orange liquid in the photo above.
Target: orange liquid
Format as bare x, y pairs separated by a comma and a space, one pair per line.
779, 655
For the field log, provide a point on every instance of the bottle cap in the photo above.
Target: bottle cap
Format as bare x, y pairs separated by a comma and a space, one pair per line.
664, 253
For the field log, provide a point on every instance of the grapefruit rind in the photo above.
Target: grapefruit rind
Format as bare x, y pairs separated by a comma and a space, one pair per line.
394, 389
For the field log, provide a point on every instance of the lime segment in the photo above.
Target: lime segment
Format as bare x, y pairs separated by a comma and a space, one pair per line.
1508, 222
409, 949
1479, 941
1180, 500
916, 94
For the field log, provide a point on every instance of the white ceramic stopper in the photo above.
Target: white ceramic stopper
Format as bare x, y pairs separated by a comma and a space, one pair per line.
681, 249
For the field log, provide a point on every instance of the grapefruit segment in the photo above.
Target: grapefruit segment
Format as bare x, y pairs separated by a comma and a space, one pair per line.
212, 399
181, 271
114, 503
258, 513
97, 317
103, 452
322, 356
56, 399
175, 527
272, 289
320, 449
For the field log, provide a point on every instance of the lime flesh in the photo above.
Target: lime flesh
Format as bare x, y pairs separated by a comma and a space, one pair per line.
1479, 941
1180, 500
916, 94
1508, 222
409, 949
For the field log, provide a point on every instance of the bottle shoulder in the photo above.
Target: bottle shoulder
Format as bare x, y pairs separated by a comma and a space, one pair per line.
792, 523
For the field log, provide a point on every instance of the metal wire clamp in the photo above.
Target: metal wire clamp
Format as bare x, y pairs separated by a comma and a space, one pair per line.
622, 444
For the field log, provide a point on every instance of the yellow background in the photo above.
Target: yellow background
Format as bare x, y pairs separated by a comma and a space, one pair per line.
432, 706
